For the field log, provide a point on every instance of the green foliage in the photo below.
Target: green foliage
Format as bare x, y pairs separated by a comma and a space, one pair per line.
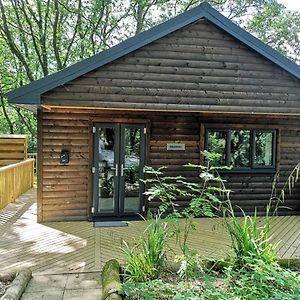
257, 280
252, 274
278, 27
158, 289
277, 198
147, 258
203, 195
40, 37
261, 280
249, 239
191, 265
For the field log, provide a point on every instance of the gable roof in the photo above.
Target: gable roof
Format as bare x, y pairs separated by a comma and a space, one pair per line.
30, 94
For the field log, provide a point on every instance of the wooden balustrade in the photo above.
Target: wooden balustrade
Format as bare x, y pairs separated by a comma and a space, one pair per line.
15, 180
13, 148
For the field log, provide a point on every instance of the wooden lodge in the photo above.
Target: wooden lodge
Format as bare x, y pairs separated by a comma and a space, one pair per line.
195, 82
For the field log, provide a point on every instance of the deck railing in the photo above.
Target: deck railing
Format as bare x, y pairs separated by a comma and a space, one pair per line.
15, 180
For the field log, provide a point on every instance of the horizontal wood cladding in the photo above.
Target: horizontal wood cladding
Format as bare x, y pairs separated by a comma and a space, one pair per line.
66, 188
13, 148
197, 68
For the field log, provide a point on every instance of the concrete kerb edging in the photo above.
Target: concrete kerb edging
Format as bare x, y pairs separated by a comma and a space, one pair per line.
18, 285
111, 281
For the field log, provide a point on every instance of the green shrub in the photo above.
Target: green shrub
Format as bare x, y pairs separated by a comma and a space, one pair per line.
249, 240
158, 290
261, 280
191, 265
147, 258
204, 195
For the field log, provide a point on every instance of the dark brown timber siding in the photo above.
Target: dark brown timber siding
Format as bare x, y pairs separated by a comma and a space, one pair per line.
65, 193
197, 68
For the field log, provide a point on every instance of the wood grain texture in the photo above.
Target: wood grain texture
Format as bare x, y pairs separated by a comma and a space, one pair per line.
197, 68
199, 71
66, 189
15, 179
13, 148
68, 247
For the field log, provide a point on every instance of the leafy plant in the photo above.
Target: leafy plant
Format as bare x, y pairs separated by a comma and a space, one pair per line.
204, 195
191, 265
146, 259
159, 289
249, 240
258, 279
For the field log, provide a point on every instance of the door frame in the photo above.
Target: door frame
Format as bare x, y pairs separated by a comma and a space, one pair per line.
119, 158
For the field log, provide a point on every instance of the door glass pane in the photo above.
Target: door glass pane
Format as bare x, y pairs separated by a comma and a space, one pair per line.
106, 176
240, 148
132, 169
216, 143
263, 148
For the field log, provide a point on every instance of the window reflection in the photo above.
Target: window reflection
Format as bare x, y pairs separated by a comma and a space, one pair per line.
243, 148
263, 148
240, 148
132, 168
216, 143
106, 169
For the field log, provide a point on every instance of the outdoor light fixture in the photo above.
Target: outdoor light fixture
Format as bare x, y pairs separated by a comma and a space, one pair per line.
64, 156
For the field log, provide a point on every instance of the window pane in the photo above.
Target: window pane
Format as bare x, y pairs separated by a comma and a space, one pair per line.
263, 148
240, 148
216, 143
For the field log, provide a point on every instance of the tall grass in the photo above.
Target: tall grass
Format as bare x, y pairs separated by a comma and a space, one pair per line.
147, 258
253, 240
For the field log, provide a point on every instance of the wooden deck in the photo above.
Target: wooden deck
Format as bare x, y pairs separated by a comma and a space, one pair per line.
64, 247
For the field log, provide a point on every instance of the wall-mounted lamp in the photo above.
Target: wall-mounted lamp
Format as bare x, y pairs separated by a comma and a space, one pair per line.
64, 157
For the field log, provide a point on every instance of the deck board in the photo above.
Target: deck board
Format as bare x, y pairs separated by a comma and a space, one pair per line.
60, 247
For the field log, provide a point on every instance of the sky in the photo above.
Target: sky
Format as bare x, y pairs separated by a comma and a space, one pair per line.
291, 4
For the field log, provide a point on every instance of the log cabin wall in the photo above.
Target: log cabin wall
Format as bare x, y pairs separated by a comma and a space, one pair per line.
65, 190
197, 68
195, 71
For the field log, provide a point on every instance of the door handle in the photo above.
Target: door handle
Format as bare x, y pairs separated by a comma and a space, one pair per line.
122, 169
116, 169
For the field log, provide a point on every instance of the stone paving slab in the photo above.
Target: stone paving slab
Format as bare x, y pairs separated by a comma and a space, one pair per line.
81, 286
49, 295
91, 294
42, 283
83, 281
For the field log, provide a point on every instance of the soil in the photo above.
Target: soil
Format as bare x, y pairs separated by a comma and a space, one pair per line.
3, 286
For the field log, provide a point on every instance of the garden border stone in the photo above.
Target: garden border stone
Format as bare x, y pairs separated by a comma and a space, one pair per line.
18, 285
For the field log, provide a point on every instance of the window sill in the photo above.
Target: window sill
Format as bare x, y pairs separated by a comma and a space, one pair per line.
248, 171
